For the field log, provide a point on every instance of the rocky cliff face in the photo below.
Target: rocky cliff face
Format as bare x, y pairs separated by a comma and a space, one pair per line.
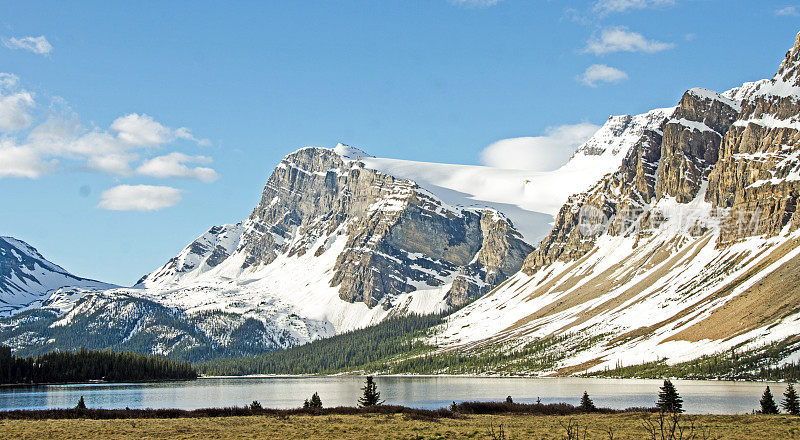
674, 160
398, 237
758, 175
685, 250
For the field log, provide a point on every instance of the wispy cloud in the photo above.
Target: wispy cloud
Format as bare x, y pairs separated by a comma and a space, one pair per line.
143, 130
15, 104
475, 3
620, 39
139, 198
598, 73
174, 165
788, 11
30, 149
38, 45
538, 153
609, 6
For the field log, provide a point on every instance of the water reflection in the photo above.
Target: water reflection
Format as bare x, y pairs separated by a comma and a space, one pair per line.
421, 392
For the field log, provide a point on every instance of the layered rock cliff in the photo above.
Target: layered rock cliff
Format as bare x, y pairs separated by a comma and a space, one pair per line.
691, 247
398, 238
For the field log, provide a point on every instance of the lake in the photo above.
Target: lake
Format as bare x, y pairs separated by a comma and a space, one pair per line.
718, 397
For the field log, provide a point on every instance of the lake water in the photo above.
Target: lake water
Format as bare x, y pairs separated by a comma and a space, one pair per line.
421, 392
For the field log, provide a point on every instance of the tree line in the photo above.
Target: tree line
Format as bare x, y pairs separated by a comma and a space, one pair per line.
366, 349
88, 365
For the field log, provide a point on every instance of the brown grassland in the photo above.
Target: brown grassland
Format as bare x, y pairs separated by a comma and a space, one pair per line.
392, 426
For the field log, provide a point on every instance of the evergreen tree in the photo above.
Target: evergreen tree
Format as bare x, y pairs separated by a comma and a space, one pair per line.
509, 400
791, 403
586, 403
81, 404
256, 405
315, 401
668, 398
768, 405
371, 396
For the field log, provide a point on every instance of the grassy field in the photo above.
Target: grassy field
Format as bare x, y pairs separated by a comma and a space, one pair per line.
391, 426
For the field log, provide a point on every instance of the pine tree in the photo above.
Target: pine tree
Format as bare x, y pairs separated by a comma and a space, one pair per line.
586, 403
768, 405
791, 403
371, 395
668, 399
315, 401
81, 404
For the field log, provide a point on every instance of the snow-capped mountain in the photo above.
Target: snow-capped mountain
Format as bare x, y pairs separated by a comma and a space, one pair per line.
340, 240
671, 234
27, 279
690, 248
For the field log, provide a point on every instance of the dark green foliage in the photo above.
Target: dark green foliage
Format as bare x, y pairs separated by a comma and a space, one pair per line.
668, 399
791, 403
256, 405
760, 363
365, 349
586, 403
85, 365
768, 405
81, 404
314, 402
371, 396
509, 399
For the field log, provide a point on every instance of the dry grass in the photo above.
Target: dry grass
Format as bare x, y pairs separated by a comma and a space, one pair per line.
391, 426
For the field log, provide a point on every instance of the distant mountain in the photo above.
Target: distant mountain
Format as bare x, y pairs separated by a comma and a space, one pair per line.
27, 279
667, 236
690, 248
339, 241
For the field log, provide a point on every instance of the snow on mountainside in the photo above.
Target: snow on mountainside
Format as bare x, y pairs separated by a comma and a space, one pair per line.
529, 199
339, 243
690, 248
27, 278
670, 234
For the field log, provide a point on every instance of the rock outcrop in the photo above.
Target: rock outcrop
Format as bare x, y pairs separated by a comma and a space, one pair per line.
399, 237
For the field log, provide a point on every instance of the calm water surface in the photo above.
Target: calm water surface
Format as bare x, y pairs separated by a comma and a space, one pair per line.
420, 392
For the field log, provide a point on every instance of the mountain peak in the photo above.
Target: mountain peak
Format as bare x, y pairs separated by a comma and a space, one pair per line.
348, 152
789, 70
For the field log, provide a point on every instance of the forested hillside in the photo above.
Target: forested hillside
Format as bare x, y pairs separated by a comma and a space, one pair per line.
366, 349
87, 365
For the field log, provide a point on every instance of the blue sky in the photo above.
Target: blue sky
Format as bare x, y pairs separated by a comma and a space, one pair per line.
128, 128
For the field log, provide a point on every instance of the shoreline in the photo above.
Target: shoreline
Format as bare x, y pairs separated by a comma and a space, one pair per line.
480, 376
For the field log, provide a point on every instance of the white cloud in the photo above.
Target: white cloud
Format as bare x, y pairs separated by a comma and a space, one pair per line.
143, 130
14, 111
173, 165
15, 105
475, 3
602, 73
139, 198
539, 153
16, 161
620, 39
789, 11
62, 136
609, 6
38, 45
